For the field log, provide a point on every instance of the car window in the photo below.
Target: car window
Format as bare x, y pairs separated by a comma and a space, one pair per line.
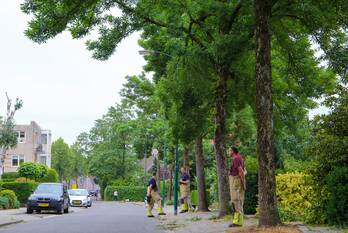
49, 188
77, 192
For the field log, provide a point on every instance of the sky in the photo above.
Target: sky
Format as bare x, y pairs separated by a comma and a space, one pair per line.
62, 87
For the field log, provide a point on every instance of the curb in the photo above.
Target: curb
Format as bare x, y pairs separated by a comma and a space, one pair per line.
10, 223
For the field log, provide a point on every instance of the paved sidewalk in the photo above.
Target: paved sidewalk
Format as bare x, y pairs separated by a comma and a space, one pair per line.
13, 216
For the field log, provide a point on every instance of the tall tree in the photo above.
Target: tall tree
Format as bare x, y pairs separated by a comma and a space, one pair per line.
8, 137
267, 196
62, 159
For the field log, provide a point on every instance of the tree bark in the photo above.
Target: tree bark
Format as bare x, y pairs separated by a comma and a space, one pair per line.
186, 156
267, 187
220, 120
202, 197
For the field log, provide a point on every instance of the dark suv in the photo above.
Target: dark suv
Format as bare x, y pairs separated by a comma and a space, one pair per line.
49, 196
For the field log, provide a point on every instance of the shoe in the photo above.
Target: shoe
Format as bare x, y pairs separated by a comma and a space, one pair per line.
183, 211
150, 216
233, 225
162, 213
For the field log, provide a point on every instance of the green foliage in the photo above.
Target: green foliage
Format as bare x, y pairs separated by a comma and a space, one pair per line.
62, 159
337, 185
34, 171
10, 175
4, 203
11, 196
132, 193
299, 199
22, 190
51, 176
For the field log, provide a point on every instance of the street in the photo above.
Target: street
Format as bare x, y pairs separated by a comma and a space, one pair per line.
103, 217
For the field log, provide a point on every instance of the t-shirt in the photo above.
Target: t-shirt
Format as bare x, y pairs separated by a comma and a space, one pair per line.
185, 177
236, 163
153, 184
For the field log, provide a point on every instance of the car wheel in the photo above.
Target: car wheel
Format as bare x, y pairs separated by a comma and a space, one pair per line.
38, 211
67, 209
90, 204
29, 211
60, 209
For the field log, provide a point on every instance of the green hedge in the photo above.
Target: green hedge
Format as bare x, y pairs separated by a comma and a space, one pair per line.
10, 175
12, 198
132, 193
4, 203
21, 189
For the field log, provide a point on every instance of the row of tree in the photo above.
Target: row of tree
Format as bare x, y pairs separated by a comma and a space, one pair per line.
212, 59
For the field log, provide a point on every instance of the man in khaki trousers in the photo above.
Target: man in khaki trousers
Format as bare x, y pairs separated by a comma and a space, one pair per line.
237, 187
153, 197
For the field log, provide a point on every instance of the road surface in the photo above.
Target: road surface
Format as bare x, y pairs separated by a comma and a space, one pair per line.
102, 217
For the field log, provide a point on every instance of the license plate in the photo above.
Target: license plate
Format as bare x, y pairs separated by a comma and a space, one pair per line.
43, 204
76, 202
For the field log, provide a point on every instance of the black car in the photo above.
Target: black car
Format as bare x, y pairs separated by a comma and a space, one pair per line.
49, 196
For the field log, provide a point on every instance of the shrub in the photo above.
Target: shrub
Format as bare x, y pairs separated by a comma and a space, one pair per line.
34, 171
119, 182
21, 189
299, 199
250, 199
10, 175
11, 196
132, 193
337, 182
4, 203
51, 176
23, 179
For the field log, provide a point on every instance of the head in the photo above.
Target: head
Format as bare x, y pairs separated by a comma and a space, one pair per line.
183, 170
234, 150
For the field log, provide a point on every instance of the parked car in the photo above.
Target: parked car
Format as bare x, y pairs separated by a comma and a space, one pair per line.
79, 197
49, 196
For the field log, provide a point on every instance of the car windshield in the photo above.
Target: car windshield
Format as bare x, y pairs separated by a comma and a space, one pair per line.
77, 192
49, 188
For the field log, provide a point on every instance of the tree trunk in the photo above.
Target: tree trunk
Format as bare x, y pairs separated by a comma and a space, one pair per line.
267, 188
169, 193
220, 120
186, 156
202, 197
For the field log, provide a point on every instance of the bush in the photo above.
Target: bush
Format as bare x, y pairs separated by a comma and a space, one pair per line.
11, 196
10, 175
4, 203
132, 193
119, 182
23, 179
34, 171
51, 176
337, 182
250, 198
21, 189
299, 199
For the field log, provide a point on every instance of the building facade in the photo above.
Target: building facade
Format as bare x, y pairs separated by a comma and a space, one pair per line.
34, 145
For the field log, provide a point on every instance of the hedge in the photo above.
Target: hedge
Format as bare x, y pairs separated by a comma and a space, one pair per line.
4, 203
12, 198
10, 175
132, 193
21, 189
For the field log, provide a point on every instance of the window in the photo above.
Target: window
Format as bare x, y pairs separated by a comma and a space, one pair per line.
21, 136
17, 160
43, 159
43, 138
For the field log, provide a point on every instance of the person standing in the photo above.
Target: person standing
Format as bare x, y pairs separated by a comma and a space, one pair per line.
184, 190
237, 186
153, 197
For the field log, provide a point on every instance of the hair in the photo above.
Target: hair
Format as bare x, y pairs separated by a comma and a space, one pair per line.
234, 149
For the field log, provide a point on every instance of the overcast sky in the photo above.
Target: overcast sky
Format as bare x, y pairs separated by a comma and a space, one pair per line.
62, 87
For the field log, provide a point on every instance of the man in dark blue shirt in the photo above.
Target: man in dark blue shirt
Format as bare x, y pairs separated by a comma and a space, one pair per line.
184, 190
153, 196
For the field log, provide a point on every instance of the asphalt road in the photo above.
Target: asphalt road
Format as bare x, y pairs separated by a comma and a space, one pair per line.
102, 217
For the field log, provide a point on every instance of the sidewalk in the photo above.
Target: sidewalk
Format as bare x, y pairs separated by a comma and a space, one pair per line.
198, 222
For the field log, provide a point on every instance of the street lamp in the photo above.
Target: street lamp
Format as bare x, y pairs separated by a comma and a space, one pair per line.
146, 53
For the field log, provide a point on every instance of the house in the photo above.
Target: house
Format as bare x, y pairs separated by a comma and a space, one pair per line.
34, 145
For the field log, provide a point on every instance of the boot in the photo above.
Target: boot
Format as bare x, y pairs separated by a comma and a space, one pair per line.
160, 211
149, 213
184, 208
238, 219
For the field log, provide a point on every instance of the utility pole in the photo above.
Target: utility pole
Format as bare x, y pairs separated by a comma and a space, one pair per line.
176, 180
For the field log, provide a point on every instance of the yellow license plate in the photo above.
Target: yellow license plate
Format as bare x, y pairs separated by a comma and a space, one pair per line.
43, 204
76, 202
